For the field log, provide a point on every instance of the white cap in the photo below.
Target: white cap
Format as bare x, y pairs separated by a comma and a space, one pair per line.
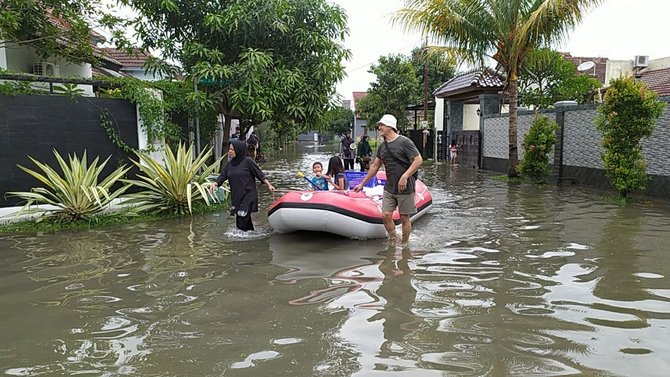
389, 120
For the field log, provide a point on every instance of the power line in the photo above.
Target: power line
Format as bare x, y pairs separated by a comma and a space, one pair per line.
368, 64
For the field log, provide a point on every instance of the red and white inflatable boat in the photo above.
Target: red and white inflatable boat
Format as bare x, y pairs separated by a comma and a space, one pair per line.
347, 213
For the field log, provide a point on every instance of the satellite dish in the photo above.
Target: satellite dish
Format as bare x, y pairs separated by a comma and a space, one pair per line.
586, 66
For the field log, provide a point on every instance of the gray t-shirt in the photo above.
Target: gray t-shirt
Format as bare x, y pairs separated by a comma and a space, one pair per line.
397, 159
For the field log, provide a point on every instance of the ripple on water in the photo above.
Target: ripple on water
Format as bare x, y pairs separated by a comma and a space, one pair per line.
648, 275
552, 254
636, 351
452, 362
261, 232
287, 341
115, 328
252, 359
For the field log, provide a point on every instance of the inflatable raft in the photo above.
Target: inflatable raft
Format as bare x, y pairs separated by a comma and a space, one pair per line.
347, 213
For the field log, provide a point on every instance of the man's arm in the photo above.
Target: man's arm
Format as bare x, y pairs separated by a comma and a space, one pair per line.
374, 168
416, 164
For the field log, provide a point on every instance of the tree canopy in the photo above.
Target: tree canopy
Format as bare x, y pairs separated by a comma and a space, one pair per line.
338, 120
263, 60
440, 67
506, 31
547, 77
54, 28
397, 86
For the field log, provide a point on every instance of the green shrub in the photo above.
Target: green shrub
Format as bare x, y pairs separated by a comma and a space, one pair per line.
537, 144
628, 113
77, 193
174, 185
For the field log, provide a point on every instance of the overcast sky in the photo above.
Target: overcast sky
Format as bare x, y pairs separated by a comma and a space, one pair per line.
618, 29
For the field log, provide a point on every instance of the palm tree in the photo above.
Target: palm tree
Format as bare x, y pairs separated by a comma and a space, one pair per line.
505, 30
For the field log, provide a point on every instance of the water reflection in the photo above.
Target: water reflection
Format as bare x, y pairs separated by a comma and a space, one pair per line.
497, 280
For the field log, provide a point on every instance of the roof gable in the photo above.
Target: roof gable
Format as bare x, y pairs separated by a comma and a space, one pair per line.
476, 80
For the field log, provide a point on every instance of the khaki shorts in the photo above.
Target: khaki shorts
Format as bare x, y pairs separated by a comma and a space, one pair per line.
404, 202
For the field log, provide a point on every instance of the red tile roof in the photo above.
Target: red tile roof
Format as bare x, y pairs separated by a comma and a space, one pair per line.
135, 59
658, 81
357, 96
599, 69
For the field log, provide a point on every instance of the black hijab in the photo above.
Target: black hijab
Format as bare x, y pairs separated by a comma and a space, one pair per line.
240, 151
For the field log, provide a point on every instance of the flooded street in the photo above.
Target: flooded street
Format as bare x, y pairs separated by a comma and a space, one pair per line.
498, 280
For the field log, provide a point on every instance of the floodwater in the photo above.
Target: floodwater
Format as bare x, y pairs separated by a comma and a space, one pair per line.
498, 280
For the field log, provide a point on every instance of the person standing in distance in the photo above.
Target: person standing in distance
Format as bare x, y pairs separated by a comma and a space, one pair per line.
241, 172
347, 152
401, 159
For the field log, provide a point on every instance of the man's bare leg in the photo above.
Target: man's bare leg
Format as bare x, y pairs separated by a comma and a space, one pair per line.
406, 228
390, 226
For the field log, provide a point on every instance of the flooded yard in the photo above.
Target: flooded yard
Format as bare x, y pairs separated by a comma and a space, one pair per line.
497, 280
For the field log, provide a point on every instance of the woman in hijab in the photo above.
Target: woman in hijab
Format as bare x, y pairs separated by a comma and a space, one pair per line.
241, 173
364, 152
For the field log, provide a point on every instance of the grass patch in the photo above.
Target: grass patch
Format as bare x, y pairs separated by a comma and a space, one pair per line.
100, 221
514, 181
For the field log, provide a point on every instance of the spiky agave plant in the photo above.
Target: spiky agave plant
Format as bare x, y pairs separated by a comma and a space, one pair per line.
174, 185
77, 194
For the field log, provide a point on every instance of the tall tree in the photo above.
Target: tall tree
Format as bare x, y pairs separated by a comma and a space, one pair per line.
546, 77
396, 87
505, 30
263, 60
54, 28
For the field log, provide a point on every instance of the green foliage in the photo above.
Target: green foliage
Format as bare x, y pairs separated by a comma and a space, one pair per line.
503, 30
396, 88
71, 90
76, 193
107, 124
546, 77
157, 102
537, 144
174, 185
44, 25
262, 60
122, 216
15, 88
338, 120
440, 68
628, 113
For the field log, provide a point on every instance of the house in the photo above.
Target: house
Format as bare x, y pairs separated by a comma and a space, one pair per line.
462, 101
132, 63
657, 80
21, 58
24, 59
654, 72
360, 124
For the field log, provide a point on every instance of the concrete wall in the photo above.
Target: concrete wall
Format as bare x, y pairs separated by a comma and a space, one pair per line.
581, 149
35, 125
470, 117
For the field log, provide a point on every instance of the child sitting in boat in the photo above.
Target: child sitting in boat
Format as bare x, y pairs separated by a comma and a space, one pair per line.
319, 181
335, 174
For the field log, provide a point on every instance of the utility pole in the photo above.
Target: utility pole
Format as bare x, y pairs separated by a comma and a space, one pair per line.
197, 119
